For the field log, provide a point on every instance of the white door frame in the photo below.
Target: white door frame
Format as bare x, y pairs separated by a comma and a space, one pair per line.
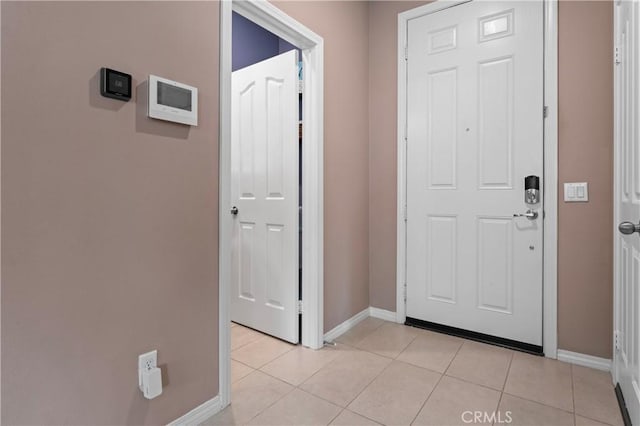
273, 19
550, 191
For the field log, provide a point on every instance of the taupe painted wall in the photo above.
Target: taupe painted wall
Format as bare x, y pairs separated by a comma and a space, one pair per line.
344, 27
109, 221
585, 287
383, 155
585, 240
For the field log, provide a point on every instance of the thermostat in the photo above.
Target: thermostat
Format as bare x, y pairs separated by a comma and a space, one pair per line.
115, 84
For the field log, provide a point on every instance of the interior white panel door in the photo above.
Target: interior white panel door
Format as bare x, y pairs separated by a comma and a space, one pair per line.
264, 189
627, 249
474, 132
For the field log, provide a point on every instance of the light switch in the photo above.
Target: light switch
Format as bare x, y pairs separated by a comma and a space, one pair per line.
576, 192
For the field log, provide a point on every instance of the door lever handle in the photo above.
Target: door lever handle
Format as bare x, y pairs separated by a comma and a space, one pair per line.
628, 228
530, 214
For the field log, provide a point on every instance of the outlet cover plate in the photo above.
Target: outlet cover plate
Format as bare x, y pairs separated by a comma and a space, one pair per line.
146, 361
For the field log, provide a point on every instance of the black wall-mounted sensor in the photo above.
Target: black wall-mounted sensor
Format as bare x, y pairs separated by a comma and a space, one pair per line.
115, 84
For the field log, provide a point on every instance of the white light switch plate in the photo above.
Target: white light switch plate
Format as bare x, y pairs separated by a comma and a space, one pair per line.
576, 192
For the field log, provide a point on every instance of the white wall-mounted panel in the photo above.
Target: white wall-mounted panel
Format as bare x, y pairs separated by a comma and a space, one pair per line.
442, 128
495, 112
441, 258
495, 264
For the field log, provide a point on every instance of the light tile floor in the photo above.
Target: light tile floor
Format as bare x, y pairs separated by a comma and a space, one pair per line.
385, 373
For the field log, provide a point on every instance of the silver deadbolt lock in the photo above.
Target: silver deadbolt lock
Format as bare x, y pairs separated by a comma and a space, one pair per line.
532, 190
234, 210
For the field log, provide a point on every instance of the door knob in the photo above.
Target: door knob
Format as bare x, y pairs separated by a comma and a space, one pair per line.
530, 214
628, 228
234, 210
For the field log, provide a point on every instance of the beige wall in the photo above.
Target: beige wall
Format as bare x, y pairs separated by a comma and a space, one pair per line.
585, 241
344, 27
585, 154
383, 158
109, 220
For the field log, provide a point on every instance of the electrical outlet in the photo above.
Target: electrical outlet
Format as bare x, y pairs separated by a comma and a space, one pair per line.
146, 362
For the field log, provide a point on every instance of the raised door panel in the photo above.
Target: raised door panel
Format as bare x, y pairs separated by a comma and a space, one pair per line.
275, 138
495, 264
495, 112
248, 132
442, 114
441, 259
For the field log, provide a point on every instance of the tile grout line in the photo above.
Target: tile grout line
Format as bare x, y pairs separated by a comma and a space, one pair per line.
366, 386
351, 346
427, 399
504, 385
382, 371
436, 385
467, 381
540, 403
336, 416
298, 385
274, 402
320, 369
248, 343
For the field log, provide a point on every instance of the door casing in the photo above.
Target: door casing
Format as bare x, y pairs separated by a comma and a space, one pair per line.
273, 19
550, 191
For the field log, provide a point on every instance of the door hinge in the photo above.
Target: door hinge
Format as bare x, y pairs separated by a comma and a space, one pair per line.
616, 339
545, 112
406, 53
405, 293
617, 56
405, 215
299, 307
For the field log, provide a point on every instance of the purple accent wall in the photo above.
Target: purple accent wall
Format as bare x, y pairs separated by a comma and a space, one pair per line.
251, 43
285, 46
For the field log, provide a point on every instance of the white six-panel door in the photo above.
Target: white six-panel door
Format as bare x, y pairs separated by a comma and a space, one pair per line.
474, 131
264, 174
627, 249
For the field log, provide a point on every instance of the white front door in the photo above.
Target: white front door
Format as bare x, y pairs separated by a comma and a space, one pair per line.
264, 190
474, 132
627, 247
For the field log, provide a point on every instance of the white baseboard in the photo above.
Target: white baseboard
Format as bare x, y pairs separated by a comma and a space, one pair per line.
382, 314
345, 326
200, 413
590, 361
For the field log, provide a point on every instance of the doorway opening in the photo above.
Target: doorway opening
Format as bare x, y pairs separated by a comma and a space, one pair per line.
287, 29
266, 182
